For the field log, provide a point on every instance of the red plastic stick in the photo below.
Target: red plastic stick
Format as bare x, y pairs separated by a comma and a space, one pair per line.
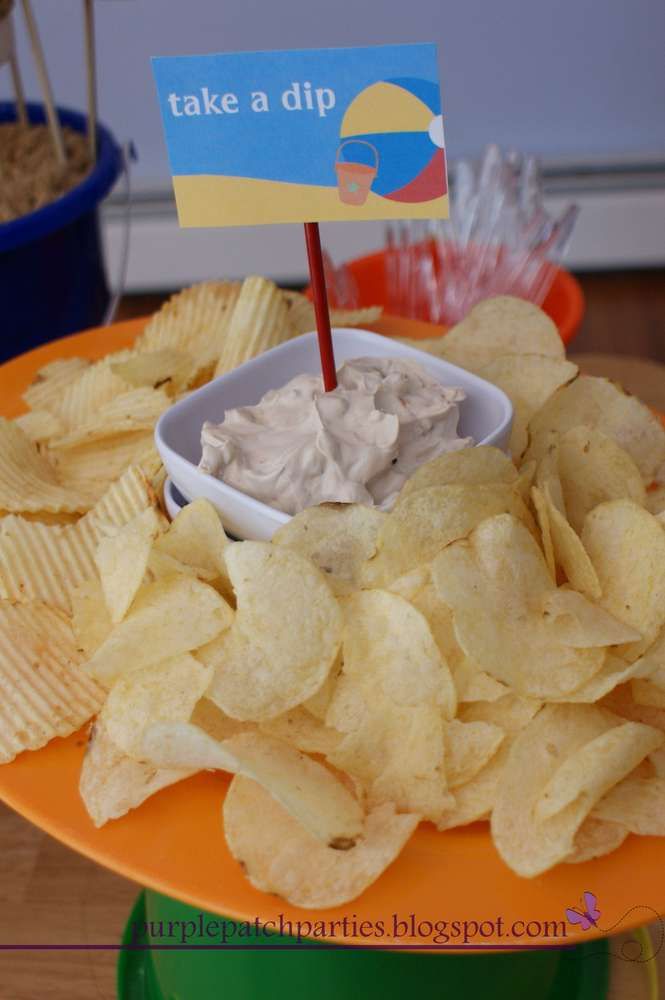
318, 282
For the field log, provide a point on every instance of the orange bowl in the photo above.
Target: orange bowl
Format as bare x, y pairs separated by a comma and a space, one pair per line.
564, 302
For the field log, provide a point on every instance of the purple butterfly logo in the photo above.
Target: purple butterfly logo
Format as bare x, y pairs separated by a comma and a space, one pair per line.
588, 913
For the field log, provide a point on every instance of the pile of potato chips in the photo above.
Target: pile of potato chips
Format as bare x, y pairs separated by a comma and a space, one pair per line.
493, 648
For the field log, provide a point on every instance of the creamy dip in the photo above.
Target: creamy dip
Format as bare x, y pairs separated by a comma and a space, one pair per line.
301, 446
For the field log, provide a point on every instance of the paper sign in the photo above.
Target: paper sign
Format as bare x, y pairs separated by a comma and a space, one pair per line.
304, 136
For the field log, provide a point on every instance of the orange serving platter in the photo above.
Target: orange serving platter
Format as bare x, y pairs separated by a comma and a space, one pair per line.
174, 841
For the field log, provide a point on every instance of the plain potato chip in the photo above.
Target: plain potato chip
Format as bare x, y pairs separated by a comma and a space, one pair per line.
122, 560
280, 856
468, 747
557, 737
495, 583
91, 620
306, 789
613, 672
168, 617
480, 464
45, 691
302, 319
163, 692
636, 803
284, 638
112, 783
337, 537
600, 405
431, 518
541, 508
655, 500
196, 537
569, 551
208, 717
388, 643
581, 623
592, 469
528, 380
627, 546
499, 326
595, 838
302, 730
608, 758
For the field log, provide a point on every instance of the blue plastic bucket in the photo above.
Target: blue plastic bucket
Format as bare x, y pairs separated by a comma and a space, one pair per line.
52, 279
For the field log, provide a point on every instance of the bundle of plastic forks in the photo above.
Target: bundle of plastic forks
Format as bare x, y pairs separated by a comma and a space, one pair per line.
499, 240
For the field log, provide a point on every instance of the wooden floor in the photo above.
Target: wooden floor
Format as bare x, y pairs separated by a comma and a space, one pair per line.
52, 895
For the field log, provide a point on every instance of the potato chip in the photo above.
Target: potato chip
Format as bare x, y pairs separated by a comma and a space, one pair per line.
47, 562
208, 717
388, 644
500, 326
355, 317
627, 547
593, 468
431, 518
92, 468
594, 839
196, 537
161, 565
525, 481
91, 620
136, 410
168, 617
608, 758
194, 321
80, 400
541, 508
528, 380
579, 622
598, 404
468, 747
302, 319
567, 547
28, 481
279, 856
284, 638
305, 788
495, 582
122, 560
529, 840
163, 692
472, 466
46, 390
337, 537
112, 783
636, 803
40, 425
45, 692
167, 369
260, 320
646, 692
302, 730
474, 684
613, 672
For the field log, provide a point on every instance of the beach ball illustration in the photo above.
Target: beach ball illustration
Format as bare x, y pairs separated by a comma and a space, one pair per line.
392, 143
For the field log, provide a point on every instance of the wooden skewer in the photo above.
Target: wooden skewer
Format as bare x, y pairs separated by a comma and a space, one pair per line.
45, 84
91, 72
21, 110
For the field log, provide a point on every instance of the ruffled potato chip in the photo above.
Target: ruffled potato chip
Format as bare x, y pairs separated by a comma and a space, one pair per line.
284, 638
50, 381
167, 369
280, 856
259, 321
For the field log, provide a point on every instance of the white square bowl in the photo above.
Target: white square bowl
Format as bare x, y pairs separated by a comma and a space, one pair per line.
485, 415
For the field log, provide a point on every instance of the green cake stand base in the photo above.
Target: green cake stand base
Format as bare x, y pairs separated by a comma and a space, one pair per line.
578, 973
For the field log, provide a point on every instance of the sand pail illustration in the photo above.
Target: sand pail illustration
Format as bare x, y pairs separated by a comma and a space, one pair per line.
354, 179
